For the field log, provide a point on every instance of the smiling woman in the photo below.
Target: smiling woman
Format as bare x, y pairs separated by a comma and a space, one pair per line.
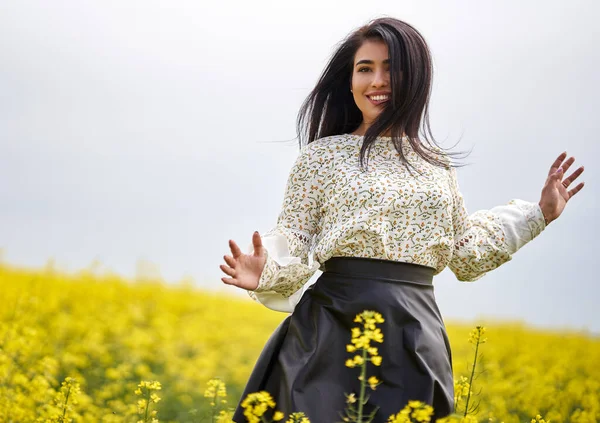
377, 83
378, 234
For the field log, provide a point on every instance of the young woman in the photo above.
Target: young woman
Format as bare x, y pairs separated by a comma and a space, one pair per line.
376, 206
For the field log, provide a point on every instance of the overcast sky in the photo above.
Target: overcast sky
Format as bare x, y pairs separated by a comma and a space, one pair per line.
154, 131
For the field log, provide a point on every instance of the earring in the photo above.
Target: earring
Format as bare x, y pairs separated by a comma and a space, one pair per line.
351, 91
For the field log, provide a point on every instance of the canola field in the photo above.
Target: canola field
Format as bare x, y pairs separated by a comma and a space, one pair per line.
98, 348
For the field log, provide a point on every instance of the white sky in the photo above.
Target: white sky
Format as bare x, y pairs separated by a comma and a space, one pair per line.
149, 131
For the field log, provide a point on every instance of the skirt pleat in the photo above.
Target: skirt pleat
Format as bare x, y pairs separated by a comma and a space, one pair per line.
303, 366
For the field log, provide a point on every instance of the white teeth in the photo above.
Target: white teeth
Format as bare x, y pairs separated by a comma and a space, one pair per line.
379, 97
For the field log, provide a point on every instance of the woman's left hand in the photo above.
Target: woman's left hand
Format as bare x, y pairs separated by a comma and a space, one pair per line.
555, 193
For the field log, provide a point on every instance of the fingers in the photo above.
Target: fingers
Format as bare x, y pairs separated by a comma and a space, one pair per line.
235, 250
557, 163
566, 165
257, 244
567, 181
227, 270
230, 281
576, 190
230, 261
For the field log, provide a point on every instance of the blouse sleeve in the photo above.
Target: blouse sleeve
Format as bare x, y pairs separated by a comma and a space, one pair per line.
290, 263
486, 239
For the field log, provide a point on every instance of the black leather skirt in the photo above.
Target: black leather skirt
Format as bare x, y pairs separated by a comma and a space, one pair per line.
303, 363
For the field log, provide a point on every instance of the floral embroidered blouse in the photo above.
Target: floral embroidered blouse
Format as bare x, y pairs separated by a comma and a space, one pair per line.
333, 208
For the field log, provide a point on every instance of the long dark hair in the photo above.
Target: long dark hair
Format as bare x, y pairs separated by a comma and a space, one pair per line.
330, 108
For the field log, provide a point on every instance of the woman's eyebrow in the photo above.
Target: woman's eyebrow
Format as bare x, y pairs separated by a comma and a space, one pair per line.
370, 62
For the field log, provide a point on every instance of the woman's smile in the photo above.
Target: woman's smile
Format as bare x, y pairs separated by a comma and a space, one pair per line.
378, 98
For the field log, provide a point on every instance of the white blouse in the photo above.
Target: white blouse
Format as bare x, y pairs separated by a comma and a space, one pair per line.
331, 208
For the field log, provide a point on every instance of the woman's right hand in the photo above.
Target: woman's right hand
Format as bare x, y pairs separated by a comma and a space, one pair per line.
245, 269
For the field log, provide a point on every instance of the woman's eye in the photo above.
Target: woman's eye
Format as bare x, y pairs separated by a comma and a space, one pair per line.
363, 70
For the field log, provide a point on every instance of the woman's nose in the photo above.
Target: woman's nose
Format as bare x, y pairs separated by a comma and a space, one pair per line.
380, 78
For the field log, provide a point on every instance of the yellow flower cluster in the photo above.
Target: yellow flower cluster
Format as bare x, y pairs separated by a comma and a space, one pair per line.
216, 389
108, 333
476, 335
414, 411
297, 418
145, 388
525, 371
256, 404
150, 385
224, 416
454, 418
462, 388
64, 402
361, 339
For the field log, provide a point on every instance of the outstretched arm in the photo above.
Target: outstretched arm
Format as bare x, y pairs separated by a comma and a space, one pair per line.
486, 239
279, 263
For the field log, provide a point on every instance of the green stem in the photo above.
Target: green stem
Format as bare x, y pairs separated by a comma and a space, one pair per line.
456, 403
62, 419
147, 405
214, 407
363, 383
472, 375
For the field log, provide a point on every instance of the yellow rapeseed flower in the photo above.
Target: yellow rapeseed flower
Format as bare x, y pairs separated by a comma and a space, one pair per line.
358, 360
278, 416
299, 417
423, 414
141, 404
417, 410
256, 404
361, 342
151, 385
373, 382
49, 326
215, 388
377, 335
461, 388
376, 360
538, 419
403, 416
476, 335
225, 417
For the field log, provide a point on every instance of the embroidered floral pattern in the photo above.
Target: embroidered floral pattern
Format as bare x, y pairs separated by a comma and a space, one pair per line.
531, 213
333, 208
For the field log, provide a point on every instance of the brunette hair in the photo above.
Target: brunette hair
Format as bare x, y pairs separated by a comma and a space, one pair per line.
330, 109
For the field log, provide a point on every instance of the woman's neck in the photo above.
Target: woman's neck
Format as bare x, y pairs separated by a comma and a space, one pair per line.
362, 130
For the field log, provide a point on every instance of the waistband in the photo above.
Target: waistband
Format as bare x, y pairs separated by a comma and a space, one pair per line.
380, 269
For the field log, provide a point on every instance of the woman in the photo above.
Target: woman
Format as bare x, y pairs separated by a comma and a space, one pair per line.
379, 233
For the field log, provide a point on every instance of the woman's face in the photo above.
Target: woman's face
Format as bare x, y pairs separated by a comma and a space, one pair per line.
371, 79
